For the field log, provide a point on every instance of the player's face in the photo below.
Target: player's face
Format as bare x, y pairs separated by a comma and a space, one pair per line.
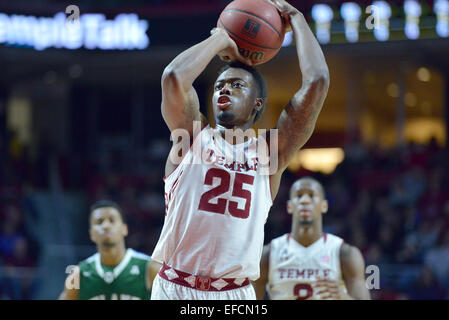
106, 227
234, 100
306, 202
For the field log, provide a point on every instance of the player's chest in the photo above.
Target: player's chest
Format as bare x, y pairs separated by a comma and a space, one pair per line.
304, 267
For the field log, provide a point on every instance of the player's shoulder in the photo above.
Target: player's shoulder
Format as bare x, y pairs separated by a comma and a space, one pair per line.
349, 251
332, 238
139, 255
89, 261
279, 241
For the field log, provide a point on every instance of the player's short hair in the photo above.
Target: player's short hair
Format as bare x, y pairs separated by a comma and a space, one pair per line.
308, 178
107, 204
260, 81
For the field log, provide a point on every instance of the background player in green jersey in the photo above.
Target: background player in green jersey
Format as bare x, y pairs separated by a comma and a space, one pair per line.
114, 272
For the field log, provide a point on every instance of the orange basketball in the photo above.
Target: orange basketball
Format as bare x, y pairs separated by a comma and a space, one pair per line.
256, 27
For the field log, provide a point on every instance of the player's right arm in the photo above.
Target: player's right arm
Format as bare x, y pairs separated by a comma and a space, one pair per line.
297, 121
180, 104
261, 283
353, 271
67, 293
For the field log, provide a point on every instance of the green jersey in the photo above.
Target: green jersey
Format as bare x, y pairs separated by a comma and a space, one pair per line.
125, 281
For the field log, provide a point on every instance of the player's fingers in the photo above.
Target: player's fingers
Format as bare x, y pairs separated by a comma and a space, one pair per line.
270, 2
216, 30
322, 296
321, 284
324, 284
239, 57
276, 4
325, 291
225, 58
320, 291
327, 287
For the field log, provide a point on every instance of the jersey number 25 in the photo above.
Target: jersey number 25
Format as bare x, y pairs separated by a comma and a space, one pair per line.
225, 183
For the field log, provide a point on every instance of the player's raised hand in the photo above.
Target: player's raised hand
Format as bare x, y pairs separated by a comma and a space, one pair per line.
286, 10
231, 53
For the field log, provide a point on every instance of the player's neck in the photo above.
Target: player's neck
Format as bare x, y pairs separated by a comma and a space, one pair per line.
231, 137
307, 236
112, 256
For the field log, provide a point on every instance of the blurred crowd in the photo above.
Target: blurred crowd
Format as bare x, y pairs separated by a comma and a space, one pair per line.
19, 249
392, 204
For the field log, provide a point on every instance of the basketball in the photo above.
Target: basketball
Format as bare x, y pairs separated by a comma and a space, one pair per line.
256, 27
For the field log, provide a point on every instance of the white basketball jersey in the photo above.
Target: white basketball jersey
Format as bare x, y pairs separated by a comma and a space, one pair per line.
292, 267
215, 210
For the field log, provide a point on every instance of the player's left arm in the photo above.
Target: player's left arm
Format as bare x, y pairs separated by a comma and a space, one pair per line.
352, 267
297, 121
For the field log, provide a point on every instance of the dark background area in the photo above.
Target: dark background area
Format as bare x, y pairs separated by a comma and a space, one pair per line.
81, 125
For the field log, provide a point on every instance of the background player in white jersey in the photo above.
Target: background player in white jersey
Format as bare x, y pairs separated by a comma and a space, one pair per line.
212, 237
114, 272
307, 263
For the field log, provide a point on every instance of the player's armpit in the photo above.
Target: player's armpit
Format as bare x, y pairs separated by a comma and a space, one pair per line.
353, 270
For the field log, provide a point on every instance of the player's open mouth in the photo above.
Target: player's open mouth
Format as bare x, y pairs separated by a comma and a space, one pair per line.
223, 102
305, 212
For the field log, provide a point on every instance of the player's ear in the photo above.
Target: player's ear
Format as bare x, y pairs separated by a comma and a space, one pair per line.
324, 206
258, 105
124, 230
289, 207
91, 234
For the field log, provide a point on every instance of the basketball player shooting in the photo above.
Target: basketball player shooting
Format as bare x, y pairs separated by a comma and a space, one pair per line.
307, 263
212, 239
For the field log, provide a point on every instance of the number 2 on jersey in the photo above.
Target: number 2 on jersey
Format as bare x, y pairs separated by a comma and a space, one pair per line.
237, 191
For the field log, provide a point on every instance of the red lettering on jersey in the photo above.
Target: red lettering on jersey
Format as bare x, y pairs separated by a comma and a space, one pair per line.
210, 153
300, 273
295, 273
242, 166
230, 166
212, 158
282, 272
309, 273
291, 273
220, 160
256, 162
